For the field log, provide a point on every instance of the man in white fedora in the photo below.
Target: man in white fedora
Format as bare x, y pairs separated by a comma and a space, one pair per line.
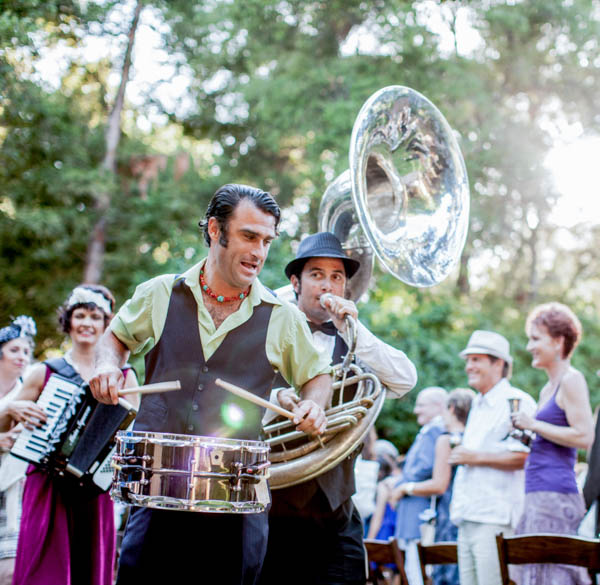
489, 485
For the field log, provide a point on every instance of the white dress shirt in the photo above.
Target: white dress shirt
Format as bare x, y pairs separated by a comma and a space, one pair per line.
486, 494
393, 368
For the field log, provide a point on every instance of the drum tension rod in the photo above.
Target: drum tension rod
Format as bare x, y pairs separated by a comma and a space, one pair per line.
251, 473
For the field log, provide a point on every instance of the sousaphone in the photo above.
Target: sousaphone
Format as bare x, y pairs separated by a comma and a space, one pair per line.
404, 199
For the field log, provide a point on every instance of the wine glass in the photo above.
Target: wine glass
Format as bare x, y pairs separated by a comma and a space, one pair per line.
523, 435
514, 404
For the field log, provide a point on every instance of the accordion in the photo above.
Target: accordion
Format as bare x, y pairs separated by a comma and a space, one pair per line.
77, 440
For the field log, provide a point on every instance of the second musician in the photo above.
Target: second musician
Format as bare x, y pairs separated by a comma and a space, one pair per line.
317, 518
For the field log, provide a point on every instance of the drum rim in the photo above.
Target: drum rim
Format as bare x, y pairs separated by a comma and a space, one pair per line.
190, 439
159, 502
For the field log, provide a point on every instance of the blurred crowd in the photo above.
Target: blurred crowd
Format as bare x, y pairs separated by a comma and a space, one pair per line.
488, 459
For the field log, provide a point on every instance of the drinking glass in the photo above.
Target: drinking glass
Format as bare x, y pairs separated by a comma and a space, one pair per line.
523, 435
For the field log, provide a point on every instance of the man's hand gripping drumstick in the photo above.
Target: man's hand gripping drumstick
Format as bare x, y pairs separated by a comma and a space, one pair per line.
306, 414
108, 381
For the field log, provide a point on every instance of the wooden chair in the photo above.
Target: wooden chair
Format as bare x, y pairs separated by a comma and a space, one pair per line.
547, 549
382, 553
439, 553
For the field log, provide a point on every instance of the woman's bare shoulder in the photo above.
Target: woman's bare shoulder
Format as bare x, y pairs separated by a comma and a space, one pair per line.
573, 381
33, 382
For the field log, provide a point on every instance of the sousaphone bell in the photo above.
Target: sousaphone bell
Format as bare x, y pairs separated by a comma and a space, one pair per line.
404, 199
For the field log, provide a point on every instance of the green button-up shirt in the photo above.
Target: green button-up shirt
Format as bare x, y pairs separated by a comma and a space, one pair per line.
140, 322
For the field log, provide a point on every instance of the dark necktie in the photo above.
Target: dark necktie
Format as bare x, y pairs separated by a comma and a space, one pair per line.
328, 328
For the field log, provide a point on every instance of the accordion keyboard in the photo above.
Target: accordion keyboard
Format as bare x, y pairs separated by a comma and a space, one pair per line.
57, 395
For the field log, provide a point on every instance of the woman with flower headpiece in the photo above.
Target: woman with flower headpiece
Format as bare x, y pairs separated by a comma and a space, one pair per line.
67, 534
16, 349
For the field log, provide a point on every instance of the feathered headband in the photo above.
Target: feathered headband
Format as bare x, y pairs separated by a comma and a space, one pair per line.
83, 296
22, 326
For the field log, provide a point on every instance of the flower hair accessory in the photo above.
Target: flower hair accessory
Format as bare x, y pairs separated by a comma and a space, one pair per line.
22, 326
83, 296
26, 324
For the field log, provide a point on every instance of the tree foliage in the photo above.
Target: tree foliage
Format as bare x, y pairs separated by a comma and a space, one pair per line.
273, 89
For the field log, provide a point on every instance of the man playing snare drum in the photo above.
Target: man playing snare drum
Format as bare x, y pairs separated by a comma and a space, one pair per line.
214, 320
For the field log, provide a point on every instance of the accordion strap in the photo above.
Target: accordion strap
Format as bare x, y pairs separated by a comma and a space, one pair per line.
63, 368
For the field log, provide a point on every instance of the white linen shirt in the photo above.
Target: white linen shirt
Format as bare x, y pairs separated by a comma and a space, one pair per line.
486, 494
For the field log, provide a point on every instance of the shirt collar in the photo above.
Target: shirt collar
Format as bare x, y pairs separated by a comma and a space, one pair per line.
436, 421
258, 292
494, 395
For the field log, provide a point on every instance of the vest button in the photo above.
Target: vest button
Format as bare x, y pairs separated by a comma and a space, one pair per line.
190, 427
200, 387
195, 406
205, 369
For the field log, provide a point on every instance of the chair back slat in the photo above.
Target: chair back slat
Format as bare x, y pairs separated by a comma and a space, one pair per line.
439, 553
383, 553
547, 549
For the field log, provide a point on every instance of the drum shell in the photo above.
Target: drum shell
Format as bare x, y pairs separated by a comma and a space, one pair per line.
191, 473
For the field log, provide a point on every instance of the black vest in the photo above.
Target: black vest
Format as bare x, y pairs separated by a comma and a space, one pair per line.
337, 484
201, 407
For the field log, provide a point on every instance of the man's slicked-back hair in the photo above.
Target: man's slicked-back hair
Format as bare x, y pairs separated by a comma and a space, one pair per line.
227, 198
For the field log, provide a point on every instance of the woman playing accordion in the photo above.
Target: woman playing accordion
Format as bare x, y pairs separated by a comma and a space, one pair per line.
67, 531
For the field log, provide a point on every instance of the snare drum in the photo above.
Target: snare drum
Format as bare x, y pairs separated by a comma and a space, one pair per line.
186, 472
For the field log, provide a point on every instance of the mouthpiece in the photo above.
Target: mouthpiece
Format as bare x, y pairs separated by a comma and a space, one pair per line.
324, 299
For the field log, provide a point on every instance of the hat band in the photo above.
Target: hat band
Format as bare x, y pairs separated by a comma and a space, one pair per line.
487, 351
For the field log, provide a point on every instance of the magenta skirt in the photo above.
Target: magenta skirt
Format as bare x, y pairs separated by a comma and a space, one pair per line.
67, 534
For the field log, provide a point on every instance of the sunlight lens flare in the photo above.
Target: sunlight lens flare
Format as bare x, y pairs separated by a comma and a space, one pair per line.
575, 170
233, 415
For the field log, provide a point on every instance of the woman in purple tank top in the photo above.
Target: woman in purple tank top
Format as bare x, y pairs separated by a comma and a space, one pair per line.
562, 424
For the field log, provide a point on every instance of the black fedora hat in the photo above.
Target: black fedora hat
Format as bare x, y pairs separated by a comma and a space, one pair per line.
321, 245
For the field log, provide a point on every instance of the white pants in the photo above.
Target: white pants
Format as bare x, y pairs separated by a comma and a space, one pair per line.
412, 565
478, 562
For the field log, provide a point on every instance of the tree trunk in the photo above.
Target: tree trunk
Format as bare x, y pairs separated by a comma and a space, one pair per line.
462, 283
96, 245
533, 271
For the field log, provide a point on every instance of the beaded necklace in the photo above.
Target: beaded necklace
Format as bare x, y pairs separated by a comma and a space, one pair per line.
220, 298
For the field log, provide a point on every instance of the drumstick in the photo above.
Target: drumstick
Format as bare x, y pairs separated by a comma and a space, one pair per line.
253, 398
152, 388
